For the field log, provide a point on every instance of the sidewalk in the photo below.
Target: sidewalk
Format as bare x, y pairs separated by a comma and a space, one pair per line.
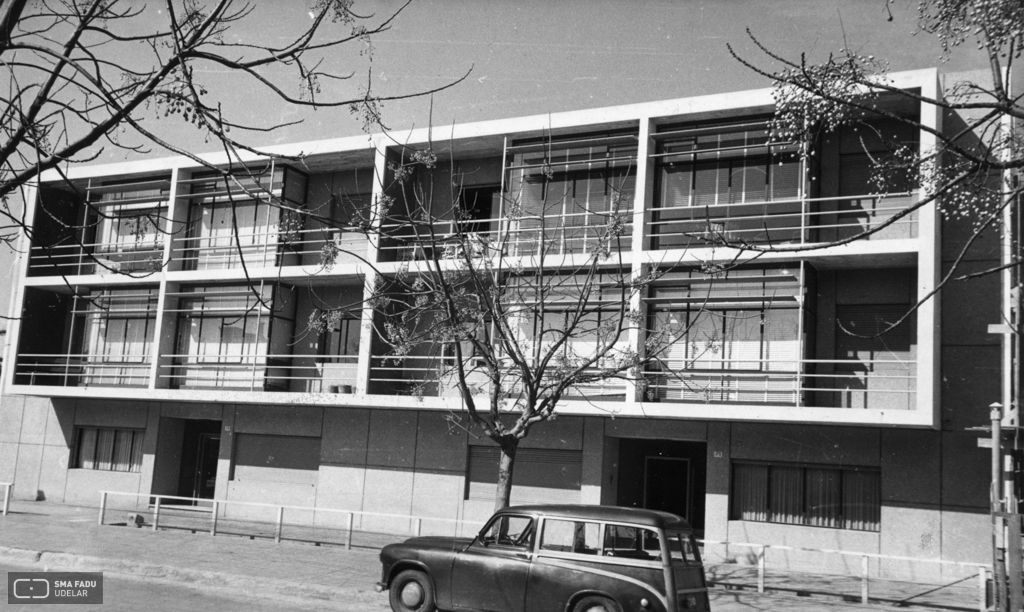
54, 536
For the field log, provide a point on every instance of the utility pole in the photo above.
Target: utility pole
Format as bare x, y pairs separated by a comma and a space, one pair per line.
999, 599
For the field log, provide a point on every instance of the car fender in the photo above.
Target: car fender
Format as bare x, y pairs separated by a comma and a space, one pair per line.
401, 566
585, 593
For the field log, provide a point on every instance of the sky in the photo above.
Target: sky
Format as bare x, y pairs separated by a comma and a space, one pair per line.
534, 57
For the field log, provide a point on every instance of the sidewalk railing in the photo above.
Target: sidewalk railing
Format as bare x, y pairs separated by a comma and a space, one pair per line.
162, 504
865, 558
8, 487
218, 507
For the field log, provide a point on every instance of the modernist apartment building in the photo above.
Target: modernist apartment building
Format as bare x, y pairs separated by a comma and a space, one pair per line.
180, 379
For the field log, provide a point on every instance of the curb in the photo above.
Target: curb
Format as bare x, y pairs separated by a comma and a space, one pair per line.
252, 585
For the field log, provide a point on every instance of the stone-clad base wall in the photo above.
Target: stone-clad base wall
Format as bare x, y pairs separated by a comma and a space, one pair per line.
411, 462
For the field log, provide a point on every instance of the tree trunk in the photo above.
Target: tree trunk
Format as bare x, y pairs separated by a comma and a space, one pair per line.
506, 465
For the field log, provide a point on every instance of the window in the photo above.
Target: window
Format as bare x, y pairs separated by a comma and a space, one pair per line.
340, 340
817, 496
118, 327
123, 221
508, 530
571, 536
113, 450
234, 336
726, 168
631, 543
732, 338
682, 549
568, 188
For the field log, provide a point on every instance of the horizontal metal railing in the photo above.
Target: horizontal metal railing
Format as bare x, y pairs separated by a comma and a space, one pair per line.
436, 376
562, 234
158, 507
270, 247
835, 383
82, 370
96, 258
795, 220
8, 487
261, 372
865, 557
218, 509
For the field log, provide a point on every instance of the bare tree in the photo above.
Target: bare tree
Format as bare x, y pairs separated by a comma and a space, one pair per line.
971, 174
85, 75
965, 174
517, 298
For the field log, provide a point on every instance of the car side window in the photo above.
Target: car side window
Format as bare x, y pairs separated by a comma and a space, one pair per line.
631, 543
509, 531
571, 536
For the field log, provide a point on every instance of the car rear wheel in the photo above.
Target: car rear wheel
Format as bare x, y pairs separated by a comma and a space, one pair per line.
411, 591
596, 604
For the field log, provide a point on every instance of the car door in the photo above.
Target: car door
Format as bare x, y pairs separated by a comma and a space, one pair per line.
491, 574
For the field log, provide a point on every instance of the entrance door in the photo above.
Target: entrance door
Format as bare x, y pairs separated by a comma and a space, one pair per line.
206, 466
667, 485
200, 448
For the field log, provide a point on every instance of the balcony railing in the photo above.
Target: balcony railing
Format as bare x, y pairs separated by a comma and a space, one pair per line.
436, 377
271, 248
791, 221
81, 370
261, 373
565, 234
96, 258
826, 383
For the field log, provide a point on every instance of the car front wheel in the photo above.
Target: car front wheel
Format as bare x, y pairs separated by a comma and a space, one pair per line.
411, 591
595, 604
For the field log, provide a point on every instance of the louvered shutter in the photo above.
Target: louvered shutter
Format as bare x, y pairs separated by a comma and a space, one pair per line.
541, 476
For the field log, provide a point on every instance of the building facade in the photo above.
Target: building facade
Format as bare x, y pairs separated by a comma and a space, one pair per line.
162, 344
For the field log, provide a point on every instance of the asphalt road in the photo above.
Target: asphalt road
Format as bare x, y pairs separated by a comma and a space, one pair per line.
131, 594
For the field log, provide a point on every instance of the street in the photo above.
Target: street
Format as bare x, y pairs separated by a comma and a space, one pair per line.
129, 594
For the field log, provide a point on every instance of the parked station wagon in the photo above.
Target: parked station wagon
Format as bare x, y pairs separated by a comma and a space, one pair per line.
564, 558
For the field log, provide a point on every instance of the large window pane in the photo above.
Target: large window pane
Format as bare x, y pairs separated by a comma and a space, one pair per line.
862, 500
823, 508
750, 492
786, 495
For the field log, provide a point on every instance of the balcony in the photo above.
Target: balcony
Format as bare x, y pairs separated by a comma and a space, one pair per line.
96, 258
99, 338
271, 248
568, 234
877, 384
790, 221
116, 227
82, 370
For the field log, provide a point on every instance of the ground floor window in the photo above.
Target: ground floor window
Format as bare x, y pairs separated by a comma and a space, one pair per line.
817, 496
114, 450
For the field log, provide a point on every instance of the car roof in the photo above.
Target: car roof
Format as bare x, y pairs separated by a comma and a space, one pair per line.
613, 514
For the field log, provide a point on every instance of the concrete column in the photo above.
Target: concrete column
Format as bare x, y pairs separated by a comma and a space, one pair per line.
716, 504
610, 472
642, 203
149, 446
29, 195
227, 451
591, 489
929, 270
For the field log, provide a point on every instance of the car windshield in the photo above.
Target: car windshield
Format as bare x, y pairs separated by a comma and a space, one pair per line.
682, 548
508, 530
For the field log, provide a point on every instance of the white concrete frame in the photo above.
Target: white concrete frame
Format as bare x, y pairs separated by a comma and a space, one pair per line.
923, 251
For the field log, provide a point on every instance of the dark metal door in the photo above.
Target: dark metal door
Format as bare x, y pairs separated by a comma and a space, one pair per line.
206, 465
